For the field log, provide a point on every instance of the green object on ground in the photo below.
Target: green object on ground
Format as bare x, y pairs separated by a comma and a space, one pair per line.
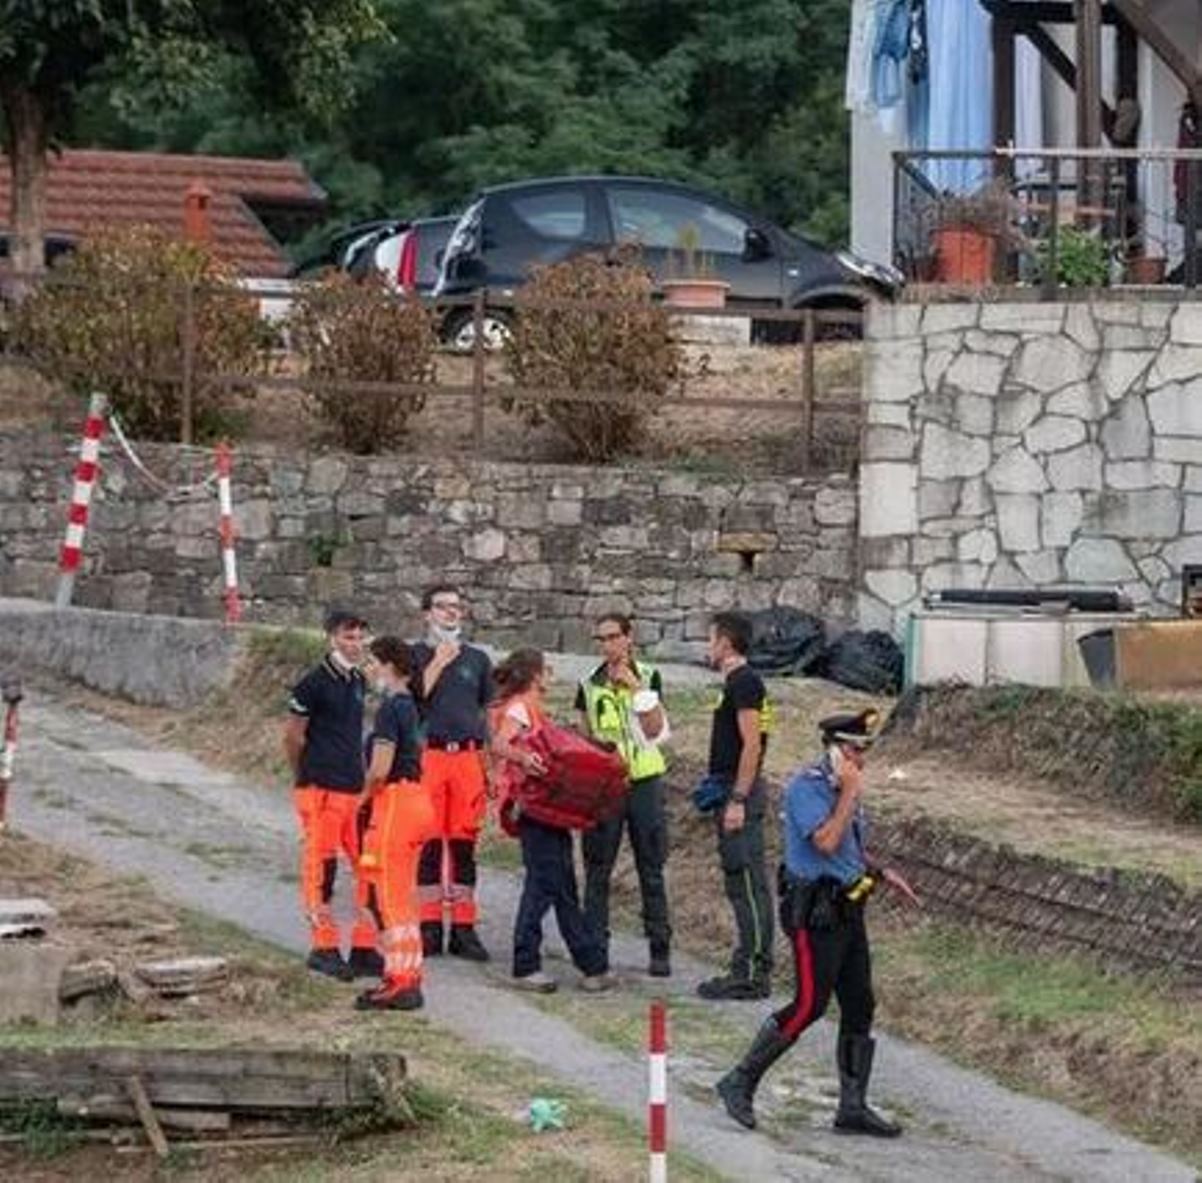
547, 1114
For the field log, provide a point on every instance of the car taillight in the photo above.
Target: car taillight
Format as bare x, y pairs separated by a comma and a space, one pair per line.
406, 272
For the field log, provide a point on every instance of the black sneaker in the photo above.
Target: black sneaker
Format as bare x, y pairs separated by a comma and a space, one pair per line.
731, 989
365, 962
330, 963
660, 965
466, 943
431, 938
390, 996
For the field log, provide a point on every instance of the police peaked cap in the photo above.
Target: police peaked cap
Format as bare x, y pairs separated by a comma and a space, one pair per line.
858, 730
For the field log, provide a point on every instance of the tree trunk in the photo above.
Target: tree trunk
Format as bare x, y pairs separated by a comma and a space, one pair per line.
28, 145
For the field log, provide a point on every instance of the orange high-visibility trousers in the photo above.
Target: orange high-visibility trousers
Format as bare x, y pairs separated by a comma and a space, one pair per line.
401, 821
458, 791
330, 826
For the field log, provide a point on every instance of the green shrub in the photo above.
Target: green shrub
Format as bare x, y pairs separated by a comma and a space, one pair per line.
348, 331
1082, 259
111, 317
629, 353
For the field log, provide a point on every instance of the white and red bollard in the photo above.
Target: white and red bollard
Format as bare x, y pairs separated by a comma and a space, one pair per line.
229, 561
86, 470
657, 1091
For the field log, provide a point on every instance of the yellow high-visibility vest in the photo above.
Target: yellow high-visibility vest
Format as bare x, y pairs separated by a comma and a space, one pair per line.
610, 712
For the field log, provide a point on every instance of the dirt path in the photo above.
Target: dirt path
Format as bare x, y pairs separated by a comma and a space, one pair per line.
96, 788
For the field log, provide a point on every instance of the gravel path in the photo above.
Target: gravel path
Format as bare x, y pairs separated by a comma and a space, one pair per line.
228, 848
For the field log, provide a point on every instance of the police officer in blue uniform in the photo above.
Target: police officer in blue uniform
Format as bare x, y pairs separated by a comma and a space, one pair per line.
824, 882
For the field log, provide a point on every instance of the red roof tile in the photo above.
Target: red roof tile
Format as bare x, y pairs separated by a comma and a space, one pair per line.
91, 189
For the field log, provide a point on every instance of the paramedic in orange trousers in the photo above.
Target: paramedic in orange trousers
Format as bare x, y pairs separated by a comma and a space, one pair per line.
452, 684
400, 820
323, 742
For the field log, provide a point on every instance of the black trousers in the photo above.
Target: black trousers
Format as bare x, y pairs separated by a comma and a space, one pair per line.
831, 960
550, 883
647, 825
745, 879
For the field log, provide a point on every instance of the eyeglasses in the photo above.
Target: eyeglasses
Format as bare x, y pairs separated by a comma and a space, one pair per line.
447, 606
607, 636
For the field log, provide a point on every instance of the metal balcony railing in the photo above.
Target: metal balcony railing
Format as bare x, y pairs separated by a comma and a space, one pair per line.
1049, 218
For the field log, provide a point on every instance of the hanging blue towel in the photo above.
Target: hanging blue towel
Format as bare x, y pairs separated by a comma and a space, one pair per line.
892, 46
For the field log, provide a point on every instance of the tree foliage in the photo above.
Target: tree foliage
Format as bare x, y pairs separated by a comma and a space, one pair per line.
294, 55
744, 96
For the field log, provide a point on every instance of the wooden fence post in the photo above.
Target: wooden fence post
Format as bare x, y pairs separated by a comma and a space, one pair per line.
478, 371
807, 391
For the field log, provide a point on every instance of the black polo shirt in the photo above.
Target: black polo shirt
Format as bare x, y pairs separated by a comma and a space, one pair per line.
743, 690
455, 711
331, 699
396, 723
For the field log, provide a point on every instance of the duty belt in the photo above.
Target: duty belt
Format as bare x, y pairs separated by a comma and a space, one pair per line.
454, 745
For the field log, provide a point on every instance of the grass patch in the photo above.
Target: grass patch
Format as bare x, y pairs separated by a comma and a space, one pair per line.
1142, 754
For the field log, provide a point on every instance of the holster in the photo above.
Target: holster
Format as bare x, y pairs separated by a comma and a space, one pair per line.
814, 905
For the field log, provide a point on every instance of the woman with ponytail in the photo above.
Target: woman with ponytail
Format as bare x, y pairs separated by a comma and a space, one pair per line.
550, 880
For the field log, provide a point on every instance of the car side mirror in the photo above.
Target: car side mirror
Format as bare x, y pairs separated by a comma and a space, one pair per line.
756, 246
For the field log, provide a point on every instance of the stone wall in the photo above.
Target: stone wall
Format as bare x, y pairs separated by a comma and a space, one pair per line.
540, 548
1025, 445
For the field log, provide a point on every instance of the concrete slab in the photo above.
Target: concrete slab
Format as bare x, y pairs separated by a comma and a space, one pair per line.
30, 973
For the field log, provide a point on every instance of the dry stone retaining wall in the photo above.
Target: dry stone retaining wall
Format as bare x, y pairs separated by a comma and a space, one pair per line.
541, 548
1024, 445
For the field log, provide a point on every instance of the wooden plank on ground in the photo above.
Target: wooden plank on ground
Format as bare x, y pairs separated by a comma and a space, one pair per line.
255, 1080
145, 1111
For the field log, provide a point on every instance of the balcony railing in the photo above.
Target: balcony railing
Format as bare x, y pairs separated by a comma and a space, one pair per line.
1049, 218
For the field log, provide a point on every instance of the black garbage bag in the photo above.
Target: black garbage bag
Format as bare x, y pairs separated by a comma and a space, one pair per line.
872, 662
785, 640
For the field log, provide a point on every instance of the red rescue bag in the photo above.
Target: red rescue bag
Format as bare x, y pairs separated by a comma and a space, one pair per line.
586, 782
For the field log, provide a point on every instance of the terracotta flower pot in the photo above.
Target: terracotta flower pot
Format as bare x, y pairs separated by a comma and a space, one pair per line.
1146, 270
695, 293
964, 256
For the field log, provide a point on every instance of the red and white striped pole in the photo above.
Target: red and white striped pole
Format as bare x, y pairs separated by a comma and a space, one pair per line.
86, 470
657, 1092
229, 562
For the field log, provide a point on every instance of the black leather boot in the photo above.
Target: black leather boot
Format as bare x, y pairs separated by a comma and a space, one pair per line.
737, 1087
855, 1069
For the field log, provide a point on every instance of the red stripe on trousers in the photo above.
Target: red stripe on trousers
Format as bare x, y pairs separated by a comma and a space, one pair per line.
796, 1022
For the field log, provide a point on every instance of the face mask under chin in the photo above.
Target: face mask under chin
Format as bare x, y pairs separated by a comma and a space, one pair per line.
440, 633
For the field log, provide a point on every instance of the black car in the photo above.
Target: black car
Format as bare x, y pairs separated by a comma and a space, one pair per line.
510, 228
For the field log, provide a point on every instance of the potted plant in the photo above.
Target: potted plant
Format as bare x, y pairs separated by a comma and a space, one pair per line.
690, 282
968, 228
1146, 264
1082, 258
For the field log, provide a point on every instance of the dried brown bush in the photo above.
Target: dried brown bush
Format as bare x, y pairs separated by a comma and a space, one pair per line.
627, 353
348, 331
112, 316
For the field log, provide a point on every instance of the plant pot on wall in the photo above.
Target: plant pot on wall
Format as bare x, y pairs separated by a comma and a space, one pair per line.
1146, 270
695, 293
964, 255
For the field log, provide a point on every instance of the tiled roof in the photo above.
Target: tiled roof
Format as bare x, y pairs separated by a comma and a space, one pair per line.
92, 189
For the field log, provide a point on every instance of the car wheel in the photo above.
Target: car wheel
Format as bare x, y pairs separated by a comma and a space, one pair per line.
460, 331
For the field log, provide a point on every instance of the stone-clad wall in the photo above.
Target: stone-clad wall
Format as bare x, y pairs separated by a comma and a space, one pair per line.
541, 549
1024, 444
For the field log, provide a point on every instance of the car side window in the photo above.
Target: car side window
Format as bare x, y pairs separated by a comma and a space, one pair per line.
555, 213
658, 218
